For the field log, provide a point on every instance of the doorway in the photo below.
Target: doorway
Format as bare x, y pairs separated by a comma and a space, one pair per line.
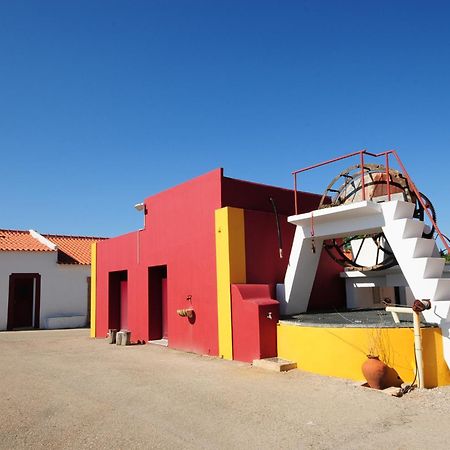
118, 300
157, 303
24, 301
88, 314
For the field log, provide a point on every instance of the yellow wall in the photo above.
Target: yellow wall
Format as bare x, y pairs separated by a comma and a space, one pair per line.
340, 352
93, 287
230, 263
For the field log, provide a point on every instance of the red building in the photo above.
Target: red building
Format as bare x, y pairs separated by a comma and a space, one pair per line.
202, 272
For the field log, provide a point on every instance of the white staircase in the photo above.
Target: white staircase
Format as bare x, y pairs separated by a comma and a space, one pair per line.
417, 257
421, 267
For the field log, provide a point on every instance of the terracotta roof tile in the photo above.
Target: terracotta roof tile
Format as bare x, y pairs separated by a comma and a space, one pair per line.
20, 241
73, 249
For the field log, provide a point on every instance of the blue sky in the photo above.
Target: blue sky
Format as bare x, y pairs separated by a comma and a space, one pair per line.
103, 103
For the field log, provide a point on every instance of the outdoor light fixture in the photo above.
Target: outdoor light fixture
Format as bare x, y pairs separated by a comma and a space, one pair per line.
141, 207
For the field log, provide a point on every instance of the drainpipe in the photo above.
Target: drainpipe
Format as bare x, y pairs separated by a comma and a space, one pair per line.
415, 311
418, 348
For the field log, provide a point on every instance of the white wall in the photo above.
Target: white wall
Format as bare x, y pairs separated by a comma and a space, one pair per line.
368, 296
63, 286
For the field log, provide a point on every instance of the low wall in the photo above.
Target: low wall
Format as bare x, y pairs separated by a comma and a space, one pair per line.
340, 352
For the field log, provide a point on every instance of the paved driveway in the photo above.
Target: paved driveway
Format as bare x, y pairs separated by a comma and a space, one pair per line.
61, 389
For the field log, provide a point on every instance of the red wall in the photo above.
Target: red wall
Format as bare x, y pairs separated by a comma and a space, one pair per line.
114, 255
328, 291
247, 195
263, 261
179, 233
264, 265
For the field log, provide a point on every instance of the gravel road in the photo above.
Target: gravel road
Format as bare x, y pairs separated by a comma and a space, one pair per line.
61, 389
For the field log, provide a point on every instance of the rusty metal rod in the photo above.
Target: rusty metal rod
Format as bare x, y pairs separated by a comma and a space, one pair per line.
388, 177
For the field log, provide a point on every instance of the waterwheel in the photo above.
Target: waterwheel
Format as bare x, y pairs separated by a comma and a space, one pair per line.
371, 251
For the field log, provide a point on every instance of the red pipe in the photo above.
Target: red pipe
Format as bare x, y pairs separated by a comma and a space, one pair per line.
295, 193
328, 162
363, 184
388, 178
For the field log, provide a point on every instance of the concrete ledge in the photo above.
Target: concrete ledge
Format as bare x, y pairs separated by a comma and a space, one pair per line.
274, 364
66, 322
162, 342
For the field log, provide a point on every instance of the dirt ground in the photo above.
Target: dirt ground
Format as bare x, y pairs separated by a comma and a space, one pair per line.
61, 389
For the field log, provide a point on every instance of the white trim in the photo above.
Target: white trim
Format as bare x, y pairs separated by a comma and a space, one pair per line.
43, 240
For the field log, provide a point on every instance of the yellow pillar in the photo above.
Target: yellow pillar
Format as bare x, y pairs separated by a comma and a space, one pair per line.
230, 266
93, 287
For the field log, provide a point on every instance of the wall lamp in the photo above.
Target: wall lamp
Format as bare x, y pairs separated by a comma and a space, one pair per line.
141, 207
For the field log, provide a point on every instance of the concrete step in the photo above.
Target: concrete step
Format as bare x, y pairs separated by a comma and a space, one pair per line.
162, 342
418, 247
395, 210
428, 267
275, 364
439, 313
442, 290
434, 289
404, 228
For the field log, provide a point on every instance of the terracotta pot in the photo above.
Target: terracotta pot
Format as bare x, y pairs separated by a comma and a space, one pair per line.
375, 372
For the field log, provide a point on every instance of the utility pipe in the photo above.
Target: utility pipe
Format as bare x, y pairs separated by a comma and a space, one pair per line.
417, 339
388, 177
418, 348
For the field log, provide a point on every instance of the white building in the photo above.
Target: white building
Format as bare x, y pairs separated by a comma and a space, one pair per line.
44, 280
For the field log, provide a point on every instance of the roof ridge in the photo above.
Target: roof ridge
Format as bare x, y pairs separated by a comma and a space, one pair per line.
72, 236
13, 230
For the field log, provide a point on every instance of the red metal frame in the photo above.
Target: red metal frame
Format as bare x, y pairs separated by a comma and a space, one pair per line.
386, 154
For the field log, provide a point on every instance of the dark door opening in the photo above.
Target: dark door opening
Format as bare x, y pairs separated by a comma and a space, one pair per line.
124, 304
118, 300
157, 303
88, 314
24, 300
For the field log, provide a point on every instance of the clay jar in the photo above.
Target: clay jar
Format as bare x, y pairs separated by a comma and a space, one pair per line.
375, 372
